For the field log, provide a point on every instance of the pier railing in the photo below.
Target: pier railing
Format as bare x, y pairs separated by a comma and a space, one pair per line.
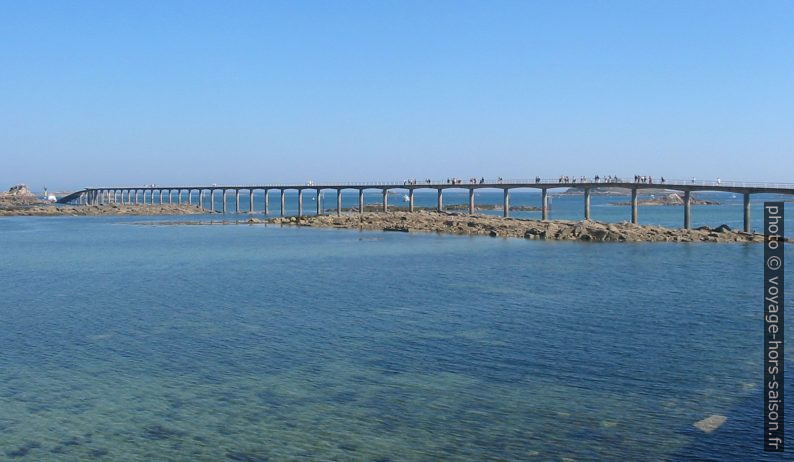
483, 182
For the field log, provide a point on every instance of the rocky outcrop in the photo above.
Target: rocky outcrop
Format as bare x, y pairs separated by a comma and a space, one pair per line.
19, 190
669, 199
111, 209
452, 223
17, 196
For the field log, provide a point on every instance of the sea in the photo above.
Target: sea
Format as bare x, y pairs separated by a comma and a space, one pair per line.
204, 338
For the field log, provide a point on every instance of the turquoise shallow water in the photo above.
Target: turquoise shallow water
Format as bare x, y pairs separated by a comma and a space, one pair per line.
126, 340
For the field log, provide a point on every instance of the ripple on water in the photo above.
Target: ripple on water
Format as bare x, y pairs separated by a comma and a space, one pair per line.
240, 343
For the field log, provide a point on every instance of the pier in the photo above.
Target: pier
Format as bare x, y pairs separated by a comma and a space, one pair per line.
174, 194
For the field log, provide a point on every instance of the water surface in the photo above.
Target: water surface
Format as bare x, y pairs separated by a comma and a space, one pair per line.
130, 341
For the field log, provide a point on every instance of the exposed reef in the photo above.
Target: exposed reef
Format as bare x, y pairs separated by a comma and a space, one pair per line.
483, 225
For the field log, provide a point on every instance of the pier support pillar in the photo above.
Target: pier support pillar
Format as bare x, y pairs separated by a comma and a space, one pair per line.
360, 201
212, 200
237, 201
319, 200
471, 201
136, 197
411, 200
634, 205
223, 200
338, 202
385, 200
586, 203
179, 196
160, 196
250, 201
440, 205
189, 197
506, 203
746, 212
544, 204
300, 203
687, 210
201, 199
282, 202
267, 201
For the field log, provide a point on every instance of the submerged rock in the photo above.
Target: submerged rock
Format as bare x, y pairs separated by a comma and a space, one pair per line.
711, 423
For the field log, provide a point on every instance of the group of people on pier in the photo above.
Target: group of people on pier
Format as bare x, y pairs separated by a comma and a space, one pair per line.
563, 179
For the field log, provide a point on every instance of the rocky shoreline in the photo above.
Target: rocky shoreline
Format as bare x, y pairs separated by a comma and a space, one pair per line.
482, 225
45, 209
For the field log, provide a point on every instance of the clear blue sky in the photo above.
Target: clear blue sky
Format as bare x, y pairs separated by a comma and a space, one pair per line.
111, 92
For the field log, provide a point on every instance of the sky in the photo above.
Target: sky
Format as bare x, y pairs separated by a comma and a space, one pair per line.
106, 93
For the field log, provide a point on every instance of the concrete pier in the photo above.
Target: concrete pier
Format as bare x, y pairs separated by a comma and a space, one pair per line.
300, 202
586, 203
267, 201
687, 209
146, 194
338, 202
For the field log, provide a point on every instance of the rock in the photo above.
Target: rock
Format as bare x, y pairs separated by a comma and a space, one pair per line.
452, 223
722, 228
711, 423
599, 234
20, 190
